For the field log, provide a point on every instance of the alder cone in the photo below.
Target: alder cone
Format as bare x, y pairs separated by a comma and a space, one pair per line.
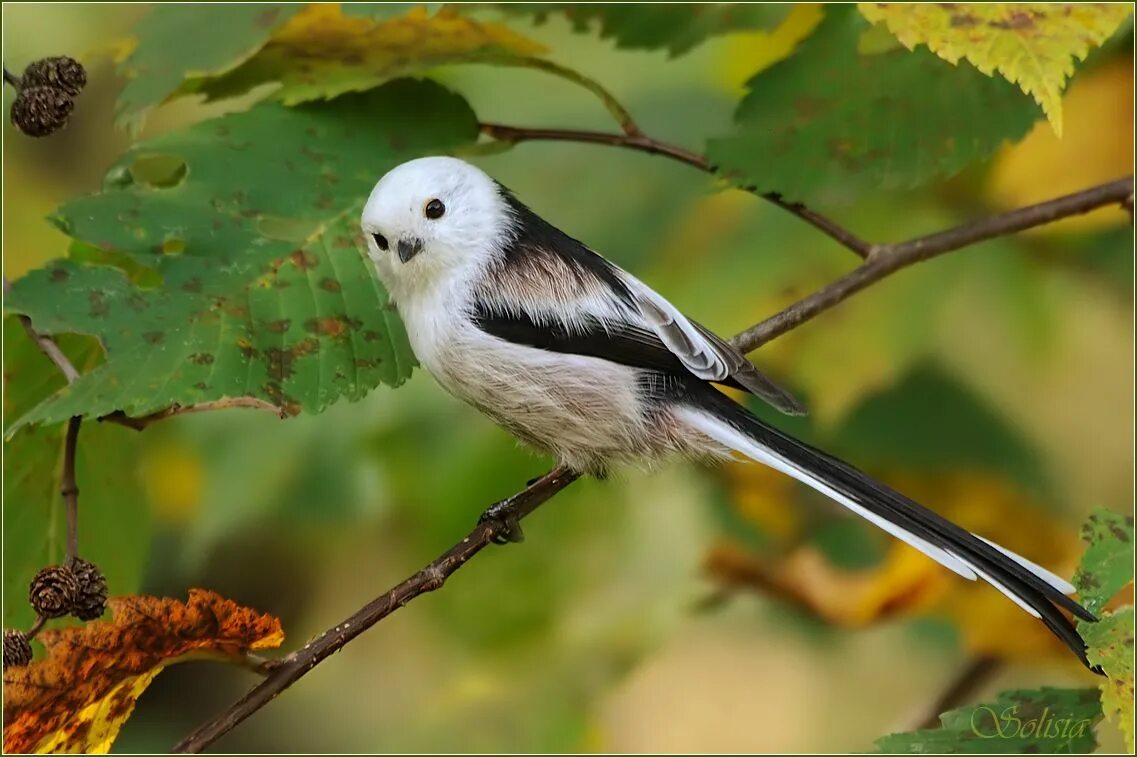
60, 72
17, 648
91, 601
53, 591
40, 111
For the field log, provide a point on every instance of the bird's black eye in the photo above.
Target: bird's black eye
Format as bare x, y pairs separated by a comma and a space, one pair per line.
434, 209
380, 241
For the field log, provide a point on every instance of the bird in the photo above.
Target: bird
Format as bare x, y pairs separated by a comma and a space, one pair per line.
579, 359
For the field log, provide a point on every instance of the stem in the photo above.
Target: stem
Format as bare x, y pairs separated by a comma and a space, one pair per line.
12, 80
961, 689
887, 259
881, 261
643, 143
36, 627
430, 578
68, 486
611, 104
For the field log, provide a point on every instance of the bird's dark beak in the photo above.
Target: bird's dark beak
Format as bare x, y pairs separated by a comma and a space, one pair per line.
408, 248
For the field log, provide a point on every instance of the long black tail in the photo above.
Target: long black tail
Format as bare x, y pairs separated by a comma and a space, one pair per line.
1035, 589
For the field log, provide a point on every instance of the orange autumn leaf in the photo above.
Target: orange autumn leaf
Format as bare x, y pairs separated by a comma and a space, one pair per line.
78, 697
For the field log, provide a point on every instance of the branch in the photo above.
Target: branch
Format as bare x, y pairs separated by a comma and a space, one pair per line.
48, 347
643, 143
68, 487
430, 578
961, 689
889, 258
881, 260
140, 422
12, 80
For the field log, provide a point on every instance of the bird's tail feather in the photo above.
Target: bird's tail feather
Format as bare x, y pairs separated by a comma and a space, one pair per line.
1033, 588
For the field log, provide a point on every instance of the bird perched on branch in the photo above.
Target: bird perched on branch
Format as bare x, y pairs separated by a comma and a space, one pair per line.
581, 360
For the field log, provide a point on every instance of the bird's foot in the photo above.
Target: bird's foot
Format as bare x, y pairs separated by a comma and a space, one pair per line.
504, 513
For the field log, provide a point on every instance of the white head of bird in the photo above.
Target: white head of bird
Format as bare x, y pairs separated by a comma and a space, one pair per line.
433, 220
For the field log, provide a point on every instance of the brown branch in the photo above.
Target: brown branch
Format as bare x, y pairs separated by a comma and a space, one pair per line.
643, 143
889, 258
140, 422
961, 689
68, 487
430, 578
48, 347
880, 261
12, 80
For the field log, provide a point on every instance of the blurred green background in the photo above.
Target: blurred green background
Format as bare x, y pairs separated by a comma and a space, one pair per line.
994, 383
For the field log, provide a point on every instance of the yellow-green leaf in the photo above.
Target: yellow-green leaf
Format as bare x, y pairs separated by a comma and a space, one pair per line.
1032, 45
321, 52
1109, 644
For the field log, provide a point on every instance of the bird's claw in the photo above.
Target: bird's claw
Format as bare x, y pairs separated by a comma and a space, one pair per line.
503, 513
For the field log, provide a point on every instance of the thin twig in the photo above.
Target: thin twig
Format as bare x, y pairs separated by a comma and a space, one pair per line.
611, 104
430, 578
887, 259
140, 422
882, 260
69, 488
37, 626
50, 349
961, 689
643, 143
12, 80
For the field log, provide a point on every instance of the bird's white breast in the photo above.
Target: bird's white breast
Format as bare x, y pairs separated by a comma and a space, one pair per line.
584, 410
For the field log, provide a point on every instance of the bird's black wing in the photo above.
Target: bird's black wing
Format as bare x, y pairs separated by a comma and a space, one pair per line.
550, 291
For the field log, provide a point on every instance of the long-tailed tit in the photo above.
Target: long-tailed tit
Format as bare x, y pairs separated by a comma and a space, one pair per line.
583, 361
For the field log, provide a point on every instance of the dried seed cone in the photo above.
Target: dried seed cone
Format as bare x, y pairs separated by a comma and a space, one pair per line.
92, 598
60, 72
17, 648
39, 111
53, 591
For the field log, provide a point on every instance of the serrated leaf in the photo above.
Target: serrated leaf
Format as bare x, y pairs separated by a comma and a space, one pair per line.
322, 53
1046, 721
77, 698
1033, 45
896, 118
1107, 565
676, 28
265, 291
1109, 644
177, 40
34, 520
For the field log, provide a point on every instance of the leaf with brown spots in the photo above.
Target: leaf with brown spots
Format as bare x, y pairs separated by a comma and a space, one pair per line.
1107, 565
322, 53
77, 698
245, 310
1106, 569
829, 114
1033, 45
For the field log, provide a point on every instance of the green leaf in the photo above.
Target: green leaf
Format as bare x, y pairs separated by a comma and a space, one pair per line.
1109, 644
265, 292
114, 527
1107, 565
175, 41
1031, 44
678, 28
323, 53
897, 118
1047, 721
